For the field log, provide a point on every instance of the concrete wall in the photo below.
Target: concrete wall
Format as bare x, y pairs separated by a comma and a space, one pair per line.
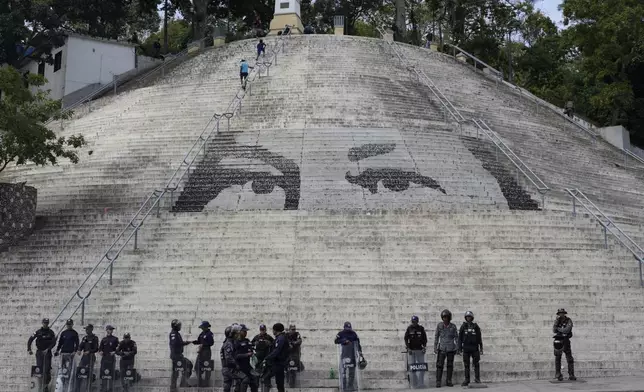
55, 80
617, 135
17, 213
92, 61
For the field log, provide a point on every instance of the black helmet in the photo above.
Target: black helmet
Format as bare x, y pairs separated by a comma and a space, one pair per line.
446, 313
469, 314
227, 331
69, 322
45, 321
126, 335
561, 311
175, 324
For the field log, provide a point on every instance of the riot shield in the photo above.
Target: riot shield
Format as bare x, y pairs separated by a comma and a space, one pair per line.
41, 372
65, 373
349, 374
108, 372
128, 375
204, 372
416, 368
85, 377
180, 369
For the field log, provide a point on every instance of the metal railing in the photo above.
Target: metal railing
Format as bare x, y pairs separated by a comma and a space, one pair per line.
481, 126
608, 226
152, 204
575, 120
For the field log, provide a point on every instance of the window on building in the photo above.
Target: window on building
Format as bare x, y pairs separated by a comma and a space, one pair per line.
283, 5
58, 61
41, 68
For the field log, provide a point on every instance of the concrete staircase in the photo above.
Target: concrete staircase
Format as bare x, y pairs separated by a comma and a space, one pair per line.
397, 214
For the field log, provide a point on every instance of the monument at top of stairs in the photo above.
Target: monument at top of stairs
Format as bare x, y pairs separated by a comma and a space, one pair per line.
287, 12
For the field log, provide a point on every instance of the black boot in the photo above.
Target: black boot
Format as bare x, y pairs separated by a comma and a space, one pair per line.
448, 380
558, 375
439, 377
477, 373
571, 371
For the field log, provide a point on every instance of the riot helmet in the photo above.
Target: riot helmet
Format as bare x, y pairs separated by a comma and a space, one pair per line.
176, 325
469, 314
446, 314
414, 319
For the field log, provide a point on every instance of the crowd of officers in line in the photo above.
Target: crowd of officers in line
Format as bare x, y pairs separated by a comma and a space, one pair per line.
468, 341
69, 345
273, 353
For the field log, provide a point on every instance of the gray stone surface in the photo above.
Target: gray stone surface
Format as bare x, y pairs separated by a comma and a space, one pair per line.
17, 213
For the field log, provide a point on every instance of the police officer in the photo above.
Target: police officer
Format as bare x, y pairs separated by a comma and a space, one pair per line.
176, 353
205, 341
278, 356
563, 331
471, 345
263, 344
295, 346
68, 343
107, 349
45, 340
416, 343
227, 355
350, 345
88, 347
445, 347
127, 351
243, 352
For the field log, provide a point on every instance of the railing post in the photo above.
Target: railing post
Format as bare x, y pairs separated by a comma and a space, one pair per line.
159, 205
83, 312
136, 239
111, 271
605, 237
574, 206
543, 201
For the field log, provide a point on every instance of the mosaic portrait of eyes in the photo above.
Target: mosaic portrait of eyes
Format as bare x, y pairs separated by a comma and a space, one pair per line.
212, 177
395, 180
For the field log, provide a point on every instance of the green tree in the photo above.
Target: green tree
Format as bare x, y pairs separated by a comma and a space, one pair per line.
179, 35
23, 135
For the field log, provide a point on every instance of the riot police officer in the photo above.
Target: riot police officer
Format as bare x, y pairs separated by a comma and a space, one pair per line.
416, 343
278, 356
45, 340
205, 341
295, 346
127, 351
471, 345
107, 349
88, 347
350, 343
227, 355
263, 344
68, 343
176, 353
243, 352
562, 329
445, 347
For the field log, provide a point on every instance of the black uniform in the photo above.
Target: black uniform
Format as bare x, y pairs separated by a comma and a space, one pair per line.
68, 343
277, 358
206, 339
563, 329
176, 354
228, 364
45, 340
108, 348
127, 351
470, 342
263, 344
415, 337
295, 347
243, 352
89, 347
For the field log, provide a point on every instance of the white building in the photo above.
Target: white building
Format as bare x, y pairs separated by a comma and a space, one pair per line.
83, 64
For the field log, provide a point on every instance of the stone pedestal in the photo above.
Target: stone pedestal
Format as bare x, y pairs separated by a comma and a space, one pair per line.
287, 12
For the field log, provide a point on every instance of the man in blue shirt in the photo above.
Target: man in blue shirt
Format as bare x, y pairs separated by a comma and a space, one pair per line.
261, 49
243, 72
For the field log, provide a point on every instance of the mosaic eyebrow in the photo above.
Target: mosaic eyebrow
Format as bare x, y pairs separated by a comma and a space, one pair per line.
370, 150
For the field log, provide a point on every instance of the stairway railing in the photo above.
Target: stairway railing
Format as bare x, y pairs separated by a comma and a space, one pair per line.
608, 226
105, 264
481, 126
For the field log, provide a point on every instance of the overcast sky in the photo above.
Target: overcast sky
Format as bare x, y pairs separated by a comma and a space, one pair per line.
549, 7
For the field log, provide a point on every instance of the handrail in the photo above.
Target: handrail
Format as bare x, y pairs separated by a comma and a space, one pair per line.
634, 156
608, 225
476, 60
153, 201
481, 125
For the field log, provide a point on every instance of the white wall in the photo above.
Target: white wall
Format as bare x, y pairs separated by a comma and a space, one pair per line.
293, 7
55, 80
90, 61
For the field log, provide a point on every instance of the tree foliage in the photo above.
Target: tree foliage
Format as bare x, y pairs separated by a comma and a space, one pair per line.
23, 135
